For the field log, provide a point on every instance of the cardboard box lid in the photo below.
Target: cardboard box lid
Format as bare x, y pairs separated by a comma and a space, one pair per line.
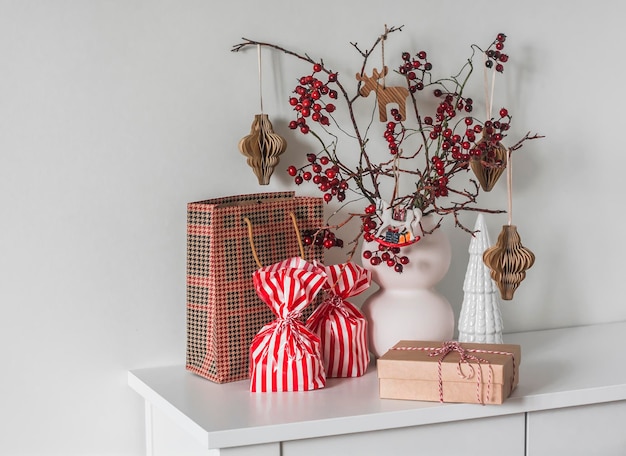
411, 360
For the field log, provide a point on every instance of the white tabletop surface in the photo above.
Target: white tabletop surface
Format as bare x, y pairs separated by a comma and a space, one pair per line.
559, 368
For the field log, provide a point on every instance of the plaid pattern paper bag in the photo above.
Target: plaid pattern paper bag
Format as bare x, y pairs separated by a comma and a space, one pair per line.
341, 326
224, 311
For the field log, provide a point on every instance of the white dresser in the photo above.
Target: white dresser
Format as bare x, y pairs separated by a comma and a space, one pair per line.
571, 400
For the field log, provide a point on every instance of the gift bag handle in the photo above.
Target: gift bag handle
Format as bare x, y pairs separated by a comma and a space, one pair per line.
294, 221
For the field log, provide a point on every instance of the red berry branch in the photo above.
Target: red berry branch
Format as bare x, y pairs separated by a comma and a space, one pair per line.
433, 149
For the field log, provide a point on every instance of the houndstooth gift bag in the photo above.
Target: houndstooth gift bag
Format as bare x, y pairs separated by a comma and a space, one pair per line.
224, 312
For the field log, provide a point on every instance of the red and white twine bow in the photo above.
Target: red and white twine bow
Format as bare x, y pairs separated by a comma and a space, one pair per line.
466, 357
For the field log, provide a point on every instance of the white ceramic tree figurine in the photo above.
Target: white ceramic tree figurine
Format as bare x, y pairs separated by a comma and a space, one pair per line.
480, 319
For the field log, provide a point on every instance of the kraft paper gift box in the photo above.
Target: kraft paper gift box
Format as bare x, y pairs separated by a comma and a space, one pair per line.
449, 371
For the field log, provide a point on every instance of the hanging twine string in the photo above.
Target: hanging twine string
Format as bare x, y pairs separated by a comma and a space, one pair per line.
382, 47
396, 177
509, 185
260, 77
489, 88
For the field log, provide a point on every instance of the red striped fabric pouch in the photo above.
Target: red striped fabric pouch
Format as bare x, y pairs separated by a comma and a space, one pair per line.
341, 326
285, 355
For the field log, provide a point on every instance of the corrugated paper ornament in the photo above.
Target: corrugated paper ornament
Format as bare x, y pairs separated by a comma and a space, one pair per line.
508, 259
262, 146
490, 165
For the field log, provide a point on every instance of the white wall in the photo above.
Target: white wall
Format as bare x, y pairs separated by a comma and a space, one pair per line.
116, 113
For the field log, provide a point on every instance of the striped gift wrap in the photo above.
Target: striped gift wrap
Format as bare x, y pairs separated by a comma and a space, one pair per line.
340, 325
285, 355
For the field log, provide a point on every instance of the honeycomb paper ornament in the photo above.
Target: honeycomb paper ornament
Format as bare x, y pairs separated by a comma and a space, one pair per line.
490, 167
508, 260
262, 147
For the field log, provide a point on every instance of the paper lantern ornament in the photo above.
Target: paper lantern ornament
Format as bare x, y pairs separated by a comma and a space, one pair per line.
508, 261
262, 147
489, 167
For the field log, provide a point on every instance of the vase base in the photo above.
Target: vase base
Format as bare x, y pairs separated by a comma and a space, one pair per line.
416, 315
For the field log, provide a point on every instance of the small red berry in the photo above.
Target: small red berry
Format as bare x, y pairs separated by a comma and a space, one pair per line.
504, 112
292, 170
317, 68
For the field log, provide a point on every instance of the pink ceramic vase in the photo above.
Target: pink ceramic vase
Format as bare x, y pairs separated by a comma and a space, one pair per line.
407, 306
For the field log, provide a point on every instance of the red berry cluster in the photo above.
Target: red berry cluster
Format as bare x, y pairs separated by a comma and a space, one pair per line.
324, 174
463, 147
441, 182
496, 56
414, 68
323, 237
458, 146
388, 255
309, 104
393, 137
369, 224
493, 132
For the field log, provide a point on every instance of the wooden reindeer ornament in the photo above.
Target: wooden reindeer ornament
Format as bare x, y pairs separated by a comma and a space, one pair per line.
384, 95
